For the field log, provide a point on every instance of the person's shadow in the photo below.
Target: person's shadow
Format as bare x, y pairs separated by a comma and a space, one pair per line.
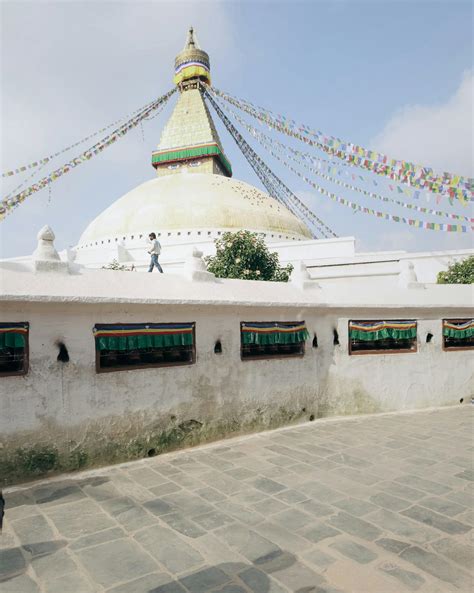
238, 577
265, 574
229, 577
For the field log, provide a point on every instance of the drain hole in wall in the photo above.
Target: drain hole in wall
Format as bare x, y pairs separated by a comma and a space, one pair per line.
218, 347
315, 340
429, 337
335, 338
311, 418
461, 400
63, 355
151, 452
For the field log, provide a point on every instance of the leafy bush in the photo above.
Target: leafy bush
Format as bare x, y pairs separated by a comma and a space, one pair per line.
245, 255
115, 265
461, 272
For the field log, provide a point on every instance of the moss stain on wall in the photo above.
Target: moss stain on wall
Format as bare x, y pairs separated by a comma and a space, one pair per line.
115, 440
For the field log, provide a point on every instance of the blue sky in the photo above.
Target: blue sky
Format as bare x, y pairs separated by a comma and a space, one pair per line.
396, 76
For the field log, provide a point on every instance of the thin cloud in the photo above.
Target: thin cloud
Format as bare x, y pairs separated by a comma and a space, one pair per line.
438, 136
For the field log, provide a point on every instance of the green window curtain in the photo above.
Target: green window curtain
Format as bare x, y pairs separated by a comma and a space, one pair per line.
459, 329
13, 335
143, 336
274, 333
370, 331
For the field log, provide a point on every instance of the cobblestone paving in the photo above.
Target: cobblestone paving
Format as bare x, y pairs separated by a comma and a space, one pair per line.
379, 504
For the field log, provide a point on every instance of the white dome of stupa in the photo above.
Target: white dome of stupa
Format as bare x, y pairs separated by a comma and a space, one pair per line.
191, 202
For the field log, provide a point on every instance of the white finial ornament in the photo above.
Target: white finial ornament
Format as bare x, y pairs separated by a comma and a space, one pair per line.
46, 251
407, 277
45, 257
301, 279
195, 267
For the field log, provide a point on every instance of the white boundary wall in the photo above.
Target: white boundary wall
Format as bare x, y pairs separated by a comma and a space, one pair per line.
70, 407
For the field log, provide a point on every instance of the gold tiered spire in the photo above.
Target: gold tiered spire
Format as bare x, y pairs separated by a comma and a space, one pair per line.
192, 62
190, 140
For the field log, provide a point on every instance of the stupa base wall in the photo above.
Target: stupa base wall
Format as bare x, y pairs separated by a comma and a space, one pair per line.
177, 246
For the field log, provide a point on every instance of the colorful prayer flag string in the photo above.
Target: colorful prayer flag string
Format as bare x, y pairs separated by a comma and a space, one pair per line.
273, 184
435, 226
419, 224
268, 143
9, 203
423, 178
45, 160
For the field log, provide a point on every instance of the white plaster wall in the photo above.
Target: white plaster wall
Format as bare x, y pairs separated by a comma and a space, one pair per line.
428, 377
380, 266
73, 393
70, 400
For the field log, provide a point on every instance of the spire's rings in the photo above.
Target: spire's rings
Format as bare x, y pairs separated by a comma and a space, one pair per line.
192, 63
192, 55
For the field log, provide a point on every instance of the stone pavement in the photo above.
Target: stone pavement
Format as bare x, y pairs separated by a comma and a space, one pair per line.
379, 504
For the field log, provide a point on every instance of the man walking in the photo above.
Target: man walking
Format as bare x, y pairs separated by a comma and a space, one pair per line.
154, 251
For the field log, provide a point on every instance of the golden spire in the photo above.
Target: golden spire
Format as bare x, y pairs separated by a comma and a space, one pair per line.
192, 62
190, 140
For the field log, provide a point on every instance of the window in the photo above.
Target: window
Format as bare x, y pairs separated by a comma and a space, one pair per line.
139, 345
272, 338
382, 337
458, 334
13, 349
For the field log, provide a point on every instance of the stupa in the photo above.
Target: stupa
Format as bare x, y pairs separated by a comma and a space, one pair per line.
193, 198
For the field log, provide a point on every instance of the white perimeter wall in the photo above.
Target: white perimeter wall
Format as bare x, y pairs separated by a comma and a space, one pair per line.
328, 260
71, 405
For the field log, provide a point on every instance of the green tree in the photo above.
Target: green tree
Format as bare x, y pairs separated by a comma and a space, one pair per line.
461, 272
245, 255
